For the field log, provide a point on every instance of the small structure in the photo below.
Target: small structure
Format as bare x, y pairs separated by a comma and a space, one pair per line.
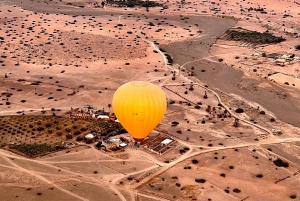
165, 142
112, 116
103, 117
70, 144
89, 136
158, 143
276, 131
123, 144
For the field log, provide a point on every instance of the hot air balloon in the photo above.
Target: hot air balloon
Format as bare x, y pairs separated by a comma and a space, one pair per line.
139, 107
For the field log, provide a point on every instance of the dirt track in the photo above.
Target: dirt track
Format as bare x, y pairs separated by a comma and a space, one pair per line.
229, 80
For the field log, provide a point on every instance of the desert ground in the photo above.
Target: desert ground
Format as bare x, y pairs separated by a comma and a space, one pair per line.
227, 98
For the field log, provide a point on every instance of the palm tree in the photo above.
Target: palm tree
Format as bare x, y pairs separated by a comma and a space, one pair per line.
236, 122
208, 109
109, 106
205, 95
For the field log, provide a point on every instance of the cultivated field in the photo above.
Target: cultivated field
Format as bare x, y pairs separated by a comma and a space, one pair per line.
230, 72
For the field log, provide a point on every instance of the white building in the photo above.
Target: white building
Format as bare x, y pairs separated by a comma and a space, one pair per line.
166, 141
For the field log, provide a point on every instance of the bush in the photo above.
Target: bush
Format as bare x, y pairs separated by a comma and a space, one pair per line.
83, 129
172, 102
239, 110
236, 190
88, 141
79, 138
151, 24
194, 161
40, 128
48, 124
69, 136
200, 180
67, 129
259, 176
77, 132
262, 112
281, 163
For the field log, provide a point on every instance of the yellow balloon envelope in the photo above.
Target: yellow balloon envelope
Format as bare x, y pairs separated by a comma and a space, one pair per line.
139, 107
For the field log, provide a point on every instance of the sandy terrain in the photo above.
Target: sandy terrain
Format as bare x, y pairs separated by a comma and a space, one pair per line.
62, 54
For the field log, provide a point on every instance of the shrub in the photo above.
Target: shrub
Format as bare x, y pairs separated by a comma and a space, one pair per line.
194, 161
151, 24
281, 163
88, 141
79, 138
236, 190
262, 112
200, 180
239, 110
40, 128
259, 176
77, 132
69, 136
83, 129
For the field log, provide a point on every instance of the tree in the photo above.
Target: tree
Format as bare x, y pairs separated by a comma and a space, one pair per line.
109, 106
205, 95
69, 136
236, 122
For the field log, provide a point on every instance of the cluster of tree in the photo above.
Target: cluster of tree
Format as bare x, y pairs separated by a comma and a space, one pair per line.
256, 9
280, 163
253, 37
169, 58
105, 127
133, 3
32, 150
